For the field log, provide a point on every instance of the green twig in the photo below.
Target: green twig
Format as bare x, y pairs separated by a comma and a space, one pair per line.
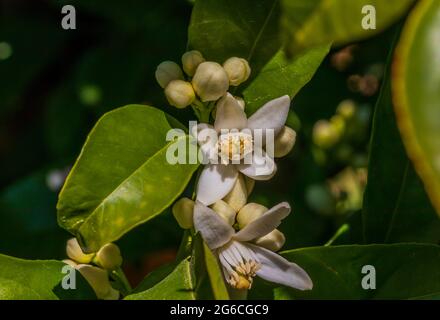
343, 229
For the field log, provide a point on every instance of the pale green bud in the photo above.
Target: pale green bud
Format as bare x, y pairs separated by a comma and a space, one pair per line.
346, 109
284, 142
109, 257
183, 211
249, 213
237, 197
99, 281
210, 81
168, 71
74, 252
225, 211
238, 70
272, 241
180, 93
338, 123
191, 60
324, 134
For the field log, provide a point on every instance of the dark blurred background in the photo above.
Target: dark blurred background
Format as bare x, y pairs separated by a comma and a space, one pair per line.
55, 84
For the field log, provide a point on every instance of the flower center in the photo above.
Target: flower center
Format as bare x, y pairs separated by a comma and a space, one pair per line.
234, 146
240, 265
244, 275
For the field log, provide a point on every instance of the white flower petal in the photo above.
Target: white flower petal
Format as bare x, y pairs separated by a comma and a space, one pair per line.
215, 182
229, 114
263, 225
214, 230
272, 115
275, 268
207, 138
261, 166
196, 129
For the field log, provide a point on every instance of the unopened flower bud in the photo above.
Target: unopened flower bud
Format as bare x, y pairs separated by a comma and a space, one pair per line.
250, 184
346, 108
180, 93
241, 102
338, 124
238, 70
324, 134
237, 197
109, 257
210, 81
99, 281
168, 71
191, 60
284, 142
75, 252
183, 211
249, 213
71, 263
272, 241
225, 211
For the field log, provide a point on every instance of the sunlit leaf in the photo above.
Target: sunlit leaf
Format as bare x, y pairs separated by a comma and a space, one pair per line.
215, 273
178, 285
37, 280
310, 23
416, 93
396, 207
122, 177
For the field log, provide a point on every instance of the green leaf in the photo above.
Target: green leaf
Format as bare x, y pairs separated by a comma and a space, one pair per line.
37, 280
242, 28
310, 23
416, 94
282, 76
215, 275
160, 273
178, 285
154, 277
403, 271
122, 177
405, 214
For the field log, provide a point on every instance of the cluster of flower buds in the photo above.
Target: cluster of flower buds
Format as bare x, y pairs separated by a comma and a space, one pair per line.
95, 267
340, 195
327, 133
235, 210
200, 80
348, 122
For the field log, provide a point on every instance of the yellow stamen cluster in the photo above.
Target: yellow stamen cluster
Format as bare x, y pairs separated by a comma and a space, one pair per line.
234, 146
243, 276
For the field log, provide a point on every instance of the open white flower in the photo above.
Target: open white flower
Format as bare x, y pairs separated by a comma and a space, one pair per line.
235, 144
241, 260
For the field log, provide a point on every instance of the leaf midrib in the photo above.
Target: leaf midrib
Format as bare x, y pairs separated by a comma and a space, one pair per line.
260, 33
